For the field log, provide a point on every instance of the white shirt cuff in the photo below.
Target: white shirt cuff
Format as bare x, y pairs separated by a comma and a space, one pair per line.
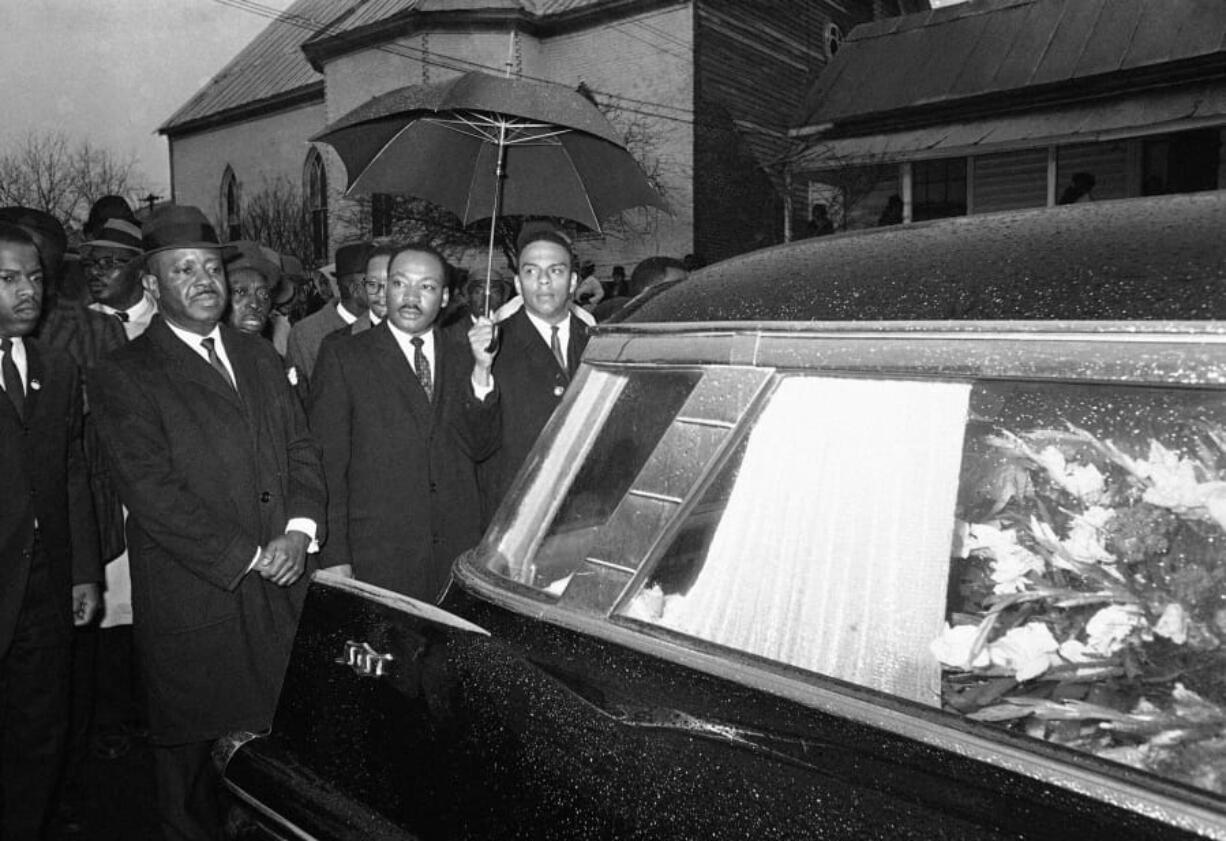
482, 391
307, 526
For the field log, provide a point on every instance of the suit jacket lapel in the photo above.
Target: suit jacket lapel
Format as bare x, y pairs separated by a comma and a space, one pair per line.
34, 383
390, 359
187, 363
523, 337
574, 347
246, 372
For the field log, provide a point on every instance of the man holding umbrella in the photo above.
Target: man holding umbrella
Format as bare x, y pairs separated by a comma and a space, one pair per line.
538, 353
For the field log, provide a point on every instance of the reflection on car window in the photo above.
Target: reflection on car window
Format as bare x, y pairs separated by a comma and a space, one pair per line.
1083, 601
646, 405
825, 541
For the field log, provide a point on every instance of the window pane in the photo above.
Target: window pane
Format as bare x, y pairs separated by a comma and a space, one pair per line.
646, 404
1087, 603
824, 540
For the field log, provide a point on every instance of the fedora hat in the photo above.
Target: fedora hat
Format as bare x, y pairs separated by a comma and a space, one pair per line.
245, 254
177, 226
351, 258
117, 233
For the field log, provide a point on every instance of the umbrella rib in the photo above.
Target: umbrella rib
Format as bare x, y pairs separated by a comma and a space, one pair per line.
379, 154
583, 188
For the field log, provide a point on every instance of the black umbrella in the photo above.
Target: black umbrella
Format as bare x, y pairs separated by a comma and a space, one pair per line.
483, 146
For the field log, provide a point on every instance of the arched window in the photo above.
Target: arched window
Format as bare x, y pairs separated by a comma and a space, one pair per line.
231, 207
316, 178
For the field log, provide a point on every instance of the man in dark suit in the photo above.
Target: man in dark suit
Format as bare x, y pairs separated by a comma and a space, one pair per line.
538, 352
306, 336
49, 565
402, 494
224, 487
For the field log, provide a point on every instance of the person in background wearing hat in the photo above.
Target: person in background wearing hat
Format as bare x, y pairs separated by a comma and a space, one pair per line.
223, 482
254, 275
402, 492
537, 353
113, 265
49, 565
306, 336
113, 268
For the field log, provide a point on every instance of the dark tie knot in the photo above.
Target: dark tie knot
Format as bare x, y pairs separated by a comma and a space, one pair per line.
207, 344
416, 341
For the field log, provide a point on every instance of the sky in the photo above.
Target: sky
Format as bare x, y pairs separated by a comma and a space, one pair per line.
114, 70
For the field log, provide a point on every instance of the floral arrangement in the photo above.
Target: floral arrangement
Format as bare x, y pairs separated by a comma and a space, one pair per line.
1089, 598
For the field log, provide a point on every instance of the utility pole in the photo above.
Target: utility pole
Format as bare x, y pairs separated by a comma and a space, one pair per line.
151, 200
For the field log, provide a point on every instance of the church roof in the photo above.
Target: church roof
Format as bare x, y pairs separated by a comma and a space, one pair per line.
1002, 52
269, 68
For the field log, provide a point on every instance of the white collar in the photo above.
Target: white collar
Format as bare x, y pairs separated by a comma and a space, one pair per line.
345, 314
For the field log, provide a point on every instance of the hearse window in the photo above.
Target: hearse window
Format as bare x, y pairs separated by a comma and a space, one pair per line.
1044, 558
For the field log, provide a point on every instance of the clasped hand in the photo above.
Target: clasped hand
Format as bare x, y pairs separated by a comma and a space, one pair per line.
283, 560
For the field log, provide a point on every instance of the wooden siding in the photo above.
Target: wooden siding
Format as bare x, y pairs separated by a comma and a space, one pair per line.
1010, 181
754, 63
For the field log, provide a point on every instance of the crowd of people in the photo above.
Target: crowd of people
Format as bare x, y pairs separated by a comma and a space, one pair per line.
178, 457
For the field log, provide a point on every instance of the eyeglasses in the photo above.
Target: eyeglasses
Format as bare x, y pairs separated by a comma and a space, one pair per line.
373, 286
532, 272
105, 264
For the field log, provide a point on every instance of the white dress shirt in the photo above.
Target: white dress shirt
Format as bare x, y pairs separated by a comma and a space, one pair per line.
193, 340
139, 314
405, 340
546, 330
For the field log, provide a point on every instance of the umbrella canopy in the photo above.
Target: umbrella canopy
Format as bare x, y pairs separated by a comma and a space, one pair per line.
448, 142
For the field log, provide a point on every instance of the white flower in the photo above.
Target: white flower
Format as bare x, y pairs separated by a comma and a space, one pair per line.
1109, 628
1173, 624
291, 374
1083, 481
1011, 563
1173, 478
1027, 651
953, 648
1085, 539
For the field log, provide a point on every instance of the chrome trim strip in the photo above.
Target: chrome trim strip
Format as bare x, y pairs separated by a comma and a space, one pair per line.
610, 565
269, 812
1123, 795
674, 500
718, 424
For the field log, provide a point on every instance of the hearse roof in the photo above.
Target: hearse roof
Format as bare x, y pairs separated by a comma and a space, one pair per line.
1153, 258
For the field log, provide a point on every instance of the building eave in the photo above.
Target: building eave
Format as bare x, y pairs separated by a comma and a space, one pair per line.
312, 94
1033, 98
320, 51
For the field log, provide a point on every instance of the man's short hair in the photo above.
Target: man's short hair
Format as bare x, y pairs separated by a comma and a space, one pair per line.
542, 232
424, 248
382, 248
11, 234
651, 271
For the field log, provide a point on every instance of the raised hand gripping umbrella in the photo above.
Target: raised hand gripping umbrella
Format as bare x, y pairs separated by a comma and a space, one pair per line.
484, 146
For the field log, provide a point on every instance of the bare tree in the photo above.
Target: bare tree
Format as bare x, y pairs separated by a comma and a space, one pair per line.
277, 216
63, 175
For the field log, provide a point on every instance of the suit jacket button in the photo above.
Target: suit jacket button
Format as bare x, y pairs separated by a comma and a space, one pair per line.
265, 496
557, 390
433, 487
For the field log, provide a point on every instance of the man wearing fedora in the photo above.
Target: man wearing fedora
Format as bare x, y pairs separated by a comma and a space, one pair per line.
224, 486
112, 267
253, 272
306, 336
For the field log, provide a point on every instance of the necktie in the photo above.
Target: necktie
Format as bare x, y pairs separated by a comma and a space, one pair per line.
556, 347
122, 315
216, 362
12, 379
422, 366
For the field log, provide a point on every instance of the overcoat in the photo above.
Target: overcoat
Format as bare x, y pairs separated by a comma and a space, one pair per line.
528, 386
44, 476
209, 475
402, 491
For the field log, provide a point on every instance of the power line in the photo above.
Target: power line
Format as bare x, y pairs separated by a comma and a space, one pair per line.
456, 63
